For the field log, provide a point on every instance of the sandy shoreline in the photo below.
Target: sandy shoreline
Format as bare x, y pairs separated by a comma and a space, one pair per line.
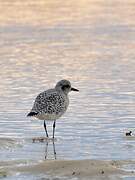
81, 169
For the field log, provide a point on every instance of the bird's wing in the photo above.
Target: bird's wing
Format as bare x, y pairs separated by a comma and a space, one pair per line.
48, 102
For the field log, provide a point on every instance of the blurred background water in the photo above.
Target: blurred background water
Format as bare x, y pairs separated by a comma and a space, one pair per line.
89, 42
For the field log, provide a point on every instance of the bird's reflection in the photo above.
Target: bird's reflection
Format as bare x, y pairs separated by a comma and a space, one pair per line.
46, 141
46, 149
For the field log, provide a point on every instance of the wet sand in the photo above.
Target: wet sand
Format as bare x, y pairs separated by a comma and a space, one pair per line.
81, 169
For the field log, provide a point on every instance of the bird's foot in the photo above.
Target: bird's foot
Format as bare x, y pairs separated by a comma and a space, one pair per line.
42, 139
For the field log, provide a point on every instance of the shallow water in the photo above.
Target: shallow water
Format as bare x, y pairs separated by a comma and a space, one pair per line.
89, 42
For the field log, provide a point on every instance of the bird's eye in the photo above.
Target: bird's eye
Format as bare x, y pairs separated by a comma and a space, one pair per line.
65, 87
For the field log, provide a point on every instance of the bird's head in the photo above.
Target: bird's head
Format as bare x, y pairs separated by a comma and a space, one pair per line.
65, 86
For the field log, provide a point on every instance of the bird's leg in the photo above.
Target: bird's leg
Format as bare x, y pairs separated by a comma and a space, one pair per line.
45, 129
53, 128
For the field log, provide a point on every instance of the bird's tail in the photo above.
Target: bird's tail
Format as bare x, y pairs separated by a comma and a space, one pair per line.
32, 114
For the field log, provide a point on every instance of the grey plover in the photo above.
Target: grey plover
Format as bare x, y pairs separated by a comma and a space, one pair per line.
52, 103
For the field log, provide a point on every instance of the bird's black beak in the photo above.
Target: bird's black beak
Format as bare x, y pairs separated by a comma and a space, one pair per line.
73, 89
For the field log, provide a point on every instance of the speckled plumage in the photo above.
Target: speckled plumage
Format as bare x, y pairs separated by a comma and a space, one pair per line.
52, 103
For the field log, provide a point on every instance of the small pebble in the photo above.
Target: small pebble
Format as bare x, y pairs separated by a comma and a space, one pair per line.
102, 172
129, 133
73, 173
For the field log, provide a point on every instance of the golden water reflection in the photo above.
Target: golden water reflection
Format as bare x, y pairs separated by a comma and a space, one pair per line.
50, 12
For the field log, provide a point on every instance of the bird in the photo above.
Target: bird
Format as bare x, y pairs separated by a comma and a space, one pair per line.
51, 104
